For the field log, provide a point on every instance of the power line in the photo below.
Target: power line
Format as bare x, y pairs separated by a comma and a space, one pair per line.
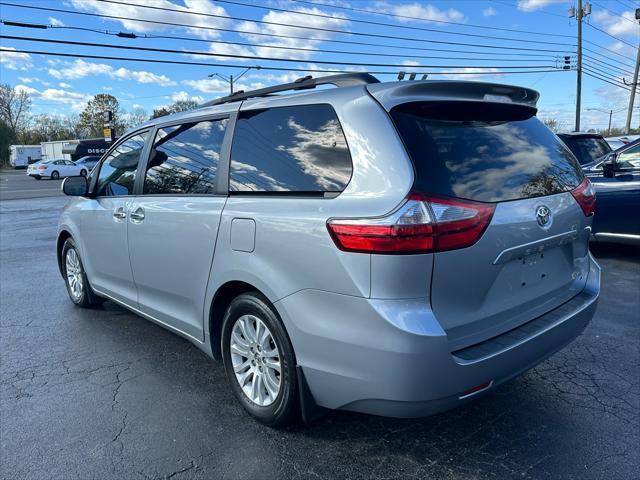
282, 69
590, 73
406, 17
614, 13
322, 29
277, 47
610, 65
603, 72
609, 50
612, 36
367, 22
291, 37
256, 57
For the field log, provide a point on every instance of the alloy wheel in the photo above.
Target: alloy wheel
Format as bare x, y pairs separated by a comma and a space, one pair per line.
74, 273
256, 360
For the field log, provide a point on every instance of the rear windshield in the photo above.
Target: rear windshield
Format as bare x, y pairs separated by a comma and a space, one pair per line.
484, 152
587, 149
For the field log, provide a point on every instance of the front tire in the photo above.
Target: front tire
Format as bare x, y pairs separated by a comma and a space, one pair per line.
75, 278
259, 360
83, 173
55, 175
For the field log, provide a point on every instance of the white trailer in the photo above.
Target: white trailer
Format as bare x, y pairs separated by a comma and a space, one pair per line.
20, 156
54, 150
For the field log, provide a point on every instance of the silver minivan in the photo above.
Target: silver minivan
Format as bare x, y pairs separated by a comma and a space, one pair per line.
390, 248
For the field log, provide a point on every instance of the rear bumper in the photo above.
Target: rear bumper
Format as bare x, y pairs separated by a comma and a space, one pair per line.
392, 358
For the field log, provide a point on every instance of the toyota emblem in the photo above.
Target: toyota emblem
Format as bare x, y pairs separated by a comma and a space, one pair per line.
543, 215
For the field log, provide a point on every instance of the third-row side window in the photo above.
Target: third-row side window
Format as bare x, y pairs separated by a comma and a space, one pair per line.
299, 149
184, 158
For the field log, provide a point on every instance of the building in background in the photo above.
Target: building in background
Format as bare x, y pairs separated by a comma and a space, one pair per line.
74, 149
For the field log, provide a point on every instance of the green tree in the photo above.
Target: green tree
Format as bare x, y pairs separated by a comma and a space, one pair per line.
6, 139
92, 117
178, 106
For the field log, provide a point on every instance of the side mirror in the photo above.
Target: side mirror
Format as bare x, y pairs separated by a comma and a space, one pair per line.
609, 166
75, 186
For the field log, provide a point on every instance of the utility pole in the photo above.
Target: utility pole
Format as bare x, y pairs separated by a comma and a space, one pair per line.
230, 78
580, 13
610, 112
634, 85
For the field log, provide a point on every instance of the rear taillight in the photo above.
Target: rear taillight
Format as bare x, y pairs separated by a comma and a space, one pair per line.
42, 167
422, 224
585, 195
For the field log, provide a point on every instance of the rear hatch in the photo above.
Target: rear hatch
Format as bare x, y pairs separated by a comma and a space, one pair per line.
532, 256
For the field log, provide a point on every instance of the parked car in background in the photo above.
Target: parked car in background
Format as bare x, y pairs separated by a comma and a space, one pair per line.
55, 169
389, 248
617, 142
616, 179
87, 163
587, 147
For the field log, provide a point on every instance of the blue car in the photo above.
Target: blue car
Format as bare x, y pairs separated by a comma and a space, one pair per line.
616, 178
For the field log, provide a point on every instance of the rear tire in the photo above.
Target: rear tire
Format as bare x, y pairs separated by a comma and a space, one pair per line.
37, 177
257, 352
75, 278
55, 175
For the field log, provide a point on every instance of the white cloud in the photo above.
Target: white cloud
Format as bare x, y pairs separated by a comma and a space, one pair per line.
614, 25
64, 85
184, 96
420, 12
76, 100
472, 73
28, 79
489, 12
136, 10
216, 85
533, 5
337, 22
55, 22
80, 69
15, 60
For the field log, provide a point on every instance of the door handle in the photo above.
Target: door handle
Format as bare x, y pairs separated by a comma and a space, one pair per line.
119, 213
137, 215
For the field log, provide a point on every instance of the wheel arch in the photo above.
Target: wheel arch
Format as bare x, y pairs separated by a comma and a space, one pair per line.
62, 237
221, 300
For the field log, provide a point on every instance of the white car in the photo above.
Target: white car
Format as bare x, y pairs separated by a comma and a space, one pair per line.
55, 169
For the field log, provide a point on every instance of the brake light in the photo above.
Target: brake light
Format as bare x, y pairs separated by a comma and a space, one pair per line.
422, 224
585, 195
42, 167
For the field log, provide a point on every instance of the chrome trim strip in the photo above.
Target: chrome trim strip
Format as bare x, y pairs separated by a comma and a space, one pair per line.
150, 318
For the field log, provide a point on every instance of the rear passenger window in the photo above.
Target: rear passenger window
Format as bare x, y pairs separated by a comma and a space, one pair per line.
297, 150
184, 158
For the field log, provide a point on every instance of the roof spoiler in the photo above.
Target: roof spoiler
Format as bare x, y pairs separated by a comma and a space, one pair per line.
303, 83
395, 93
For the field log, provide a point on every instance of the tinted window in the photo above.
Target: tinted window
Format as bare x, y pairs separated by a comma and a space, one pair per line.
292, 149
185, 158
118, 171
629, 158
587, 149
484, 153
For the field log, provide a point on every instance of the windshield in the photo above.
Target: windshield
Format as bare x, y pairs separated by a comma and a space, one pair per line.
587, 149
484, 152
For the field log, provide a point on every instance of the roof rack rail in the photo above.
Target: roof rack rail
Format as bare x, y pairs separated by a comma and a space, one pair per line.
303, 83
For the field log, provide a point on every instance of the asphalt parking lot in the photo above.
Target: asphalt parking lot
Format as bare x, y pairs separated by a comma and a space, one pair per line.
16, 184
105, 394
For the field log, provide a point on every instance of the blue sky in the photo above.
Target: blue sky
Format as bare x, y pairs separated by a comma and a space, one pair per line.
62, 85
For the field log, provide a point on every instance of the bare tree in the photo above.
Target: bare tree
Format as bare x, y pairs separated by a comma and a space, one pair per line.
15, 106
136, 117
